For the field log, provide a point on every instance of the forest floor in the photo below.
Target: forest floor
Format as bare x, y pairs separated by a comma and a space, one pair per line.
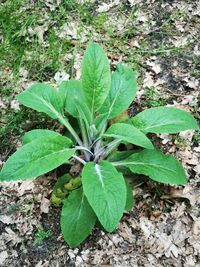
44, 41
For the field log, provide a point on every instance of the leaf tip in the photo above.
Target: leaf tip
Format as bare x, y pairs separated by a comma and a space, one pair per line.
150, 145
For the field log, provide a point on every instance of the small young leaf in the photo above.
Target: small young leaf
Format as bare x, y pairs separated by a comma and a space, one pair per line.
37, 133
36, 158
43, 98
105, 190
129, 133
129, 197
77, 218
158, 166
164, 120
122, 92
96, 78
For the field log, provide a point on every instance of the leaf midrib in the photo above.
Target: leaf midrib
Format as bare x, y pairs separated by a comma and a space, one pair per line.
159, 125
80, 208
105, 192
120, 163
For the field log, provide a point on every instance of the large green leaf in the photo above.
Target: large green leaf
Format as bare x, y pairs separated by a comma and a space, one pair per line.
75, 102
36, 158
83, 111
38, 133
100, 121
77, 218
70, 91
122, 92
42, 98
128, 133
121, 155
164, 120
158, 166
96, 78
129, 197
105, 190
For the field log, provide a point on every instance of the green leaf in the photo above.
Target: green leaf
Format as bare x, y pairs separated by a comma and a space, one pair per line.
74, 123
43, 98
122, 92
96, 78
75, 102
36, 158
70, 91
37, 133
158, 166
128, 133
120, 155
100, 121
129, 197
105, 190
77, 218
83, 111
164, 120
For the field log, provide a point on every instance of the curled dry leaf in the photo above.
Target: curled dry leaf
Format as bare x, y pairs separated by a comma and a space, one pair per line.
44, 206
190, 193
196, 227
104, 7
61, 76
2, 105
42, 264
6, 219
155, 66
25, 186
11, 236
3, 256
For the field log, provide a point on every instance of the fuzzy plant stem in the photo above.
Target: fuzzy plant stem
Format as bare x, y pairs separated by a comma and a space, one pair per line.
98, 143
111, 146
105, 151
79, 159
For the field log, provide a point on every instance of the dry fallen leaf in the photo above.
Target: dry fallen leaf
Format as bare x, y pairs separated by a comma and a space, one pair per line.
3, 256
7, 219
42, 264
155, 66
104, 7
11, 236
192, 82
2, 105
44, 205
25, 186
61, 76
196, 227
192, 194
